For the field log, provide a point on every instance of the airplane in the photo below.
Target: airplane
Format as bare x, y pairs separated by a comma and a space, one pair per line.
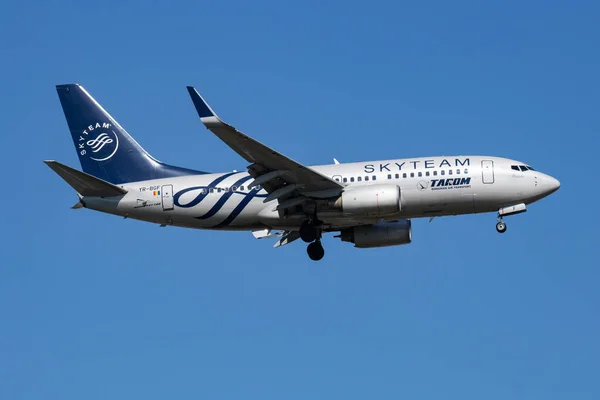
369, 204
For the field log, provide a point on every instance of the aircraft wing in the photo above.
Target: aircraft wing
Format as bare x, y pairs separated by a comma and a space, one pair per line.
281, 176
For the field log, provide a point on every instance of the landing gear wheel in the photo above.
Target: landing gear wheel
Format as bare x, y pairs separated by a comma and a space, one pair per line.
308, 232
315, 251
501, 227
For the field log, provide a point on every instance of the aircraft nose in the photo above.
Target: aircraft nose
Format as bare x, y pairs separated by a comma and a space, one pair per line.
554, 183
551, 184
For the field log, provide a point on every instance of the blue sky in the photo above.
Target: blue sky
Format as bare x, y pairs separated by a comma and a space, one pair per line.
95, 307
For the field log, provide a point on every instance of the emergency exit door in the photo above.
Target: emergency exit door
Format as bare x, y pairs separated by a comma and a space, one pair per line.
487, 171
167, 197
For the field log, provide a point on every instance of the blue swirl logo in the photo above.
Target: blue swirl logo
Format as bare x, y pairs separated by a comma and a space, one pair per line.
203, 192
97, 144
103, 146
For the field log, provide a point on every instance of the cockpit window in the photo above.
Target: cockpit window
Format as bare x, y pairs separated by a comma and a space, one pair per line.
514, 167
531, 169
523, 168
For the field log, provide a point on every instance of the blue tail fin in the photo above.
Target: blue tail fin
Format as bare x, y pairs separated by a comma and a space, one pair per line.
105, 149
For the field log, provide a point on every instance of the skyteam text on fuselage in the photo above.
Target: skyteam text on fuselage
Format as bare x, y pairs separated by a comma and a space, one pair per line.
370, 204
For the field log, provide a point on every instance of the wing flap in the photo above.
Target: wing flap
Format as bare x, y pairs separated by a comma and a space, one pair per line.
287, 238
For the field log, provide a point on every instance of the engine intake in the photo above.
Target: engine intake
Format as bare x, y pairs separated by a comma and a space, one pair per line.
379, 235
374, 200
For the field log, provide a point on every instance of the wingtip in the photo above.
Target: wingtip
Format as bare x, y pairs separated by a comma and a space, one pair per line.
202, 107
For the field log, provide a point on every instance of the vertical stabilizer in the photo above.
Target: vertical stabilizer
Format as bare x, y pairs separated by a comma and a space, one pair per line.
105, 149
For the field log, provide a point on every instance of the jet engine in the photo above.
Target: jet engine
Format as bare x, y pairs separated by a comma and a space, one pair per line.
374, 200
379, 235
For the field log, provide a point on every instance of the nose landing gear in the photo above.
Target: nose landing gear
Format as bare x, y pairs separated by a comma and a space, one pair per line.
510, 210
501, 226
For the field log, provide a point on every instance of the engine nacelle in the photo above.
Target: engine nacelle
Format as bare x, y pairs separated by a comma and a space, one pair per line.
375, 200
379, 235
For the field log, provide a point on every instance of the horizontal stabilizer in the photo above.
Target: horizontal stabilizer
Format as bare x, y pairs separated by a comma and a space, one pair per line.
85, 184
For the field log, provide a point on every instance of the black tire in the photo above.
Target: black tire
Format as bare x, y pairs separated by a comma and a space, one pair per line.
308, 232
501, 227
315, 251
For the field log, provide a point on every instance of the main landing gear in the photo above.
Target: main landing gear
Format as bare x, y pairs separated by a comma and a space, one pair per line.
309, 233
315, 250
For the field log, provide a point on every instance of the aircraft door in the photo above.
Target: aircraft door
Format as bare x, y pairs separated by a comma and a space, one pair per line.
167, 197
487, 171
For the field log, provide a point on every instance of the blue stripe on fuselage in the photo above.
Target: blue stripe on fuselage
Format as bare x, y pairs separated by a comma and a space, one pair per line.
200, 196
221, 202
239, 208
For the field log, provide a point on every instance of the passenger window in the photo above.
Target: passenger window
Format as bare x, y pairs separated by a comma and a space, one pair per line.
359, 179
233, 188
345, 180
211, 190
352, 179
374, 178
443, 172
420, 174
404, 175
434, 173
458, 172
218, 190
389, 176
366, 178
466, 171
450, 172
241, 188
397, 176
412, 174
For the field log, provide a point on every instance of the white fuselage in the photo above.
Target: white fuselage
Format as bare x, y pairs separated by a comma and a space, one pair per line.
434, 186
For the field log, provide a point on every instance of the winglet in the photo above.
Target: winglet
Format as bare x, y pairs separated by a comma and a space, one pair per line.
202, 107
